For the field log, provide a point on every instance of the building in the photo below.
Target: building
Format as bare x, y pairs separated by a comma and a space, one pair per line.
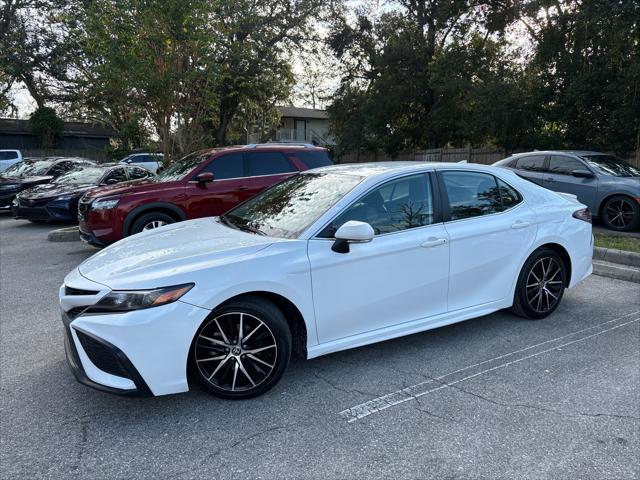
306, 125
76, 136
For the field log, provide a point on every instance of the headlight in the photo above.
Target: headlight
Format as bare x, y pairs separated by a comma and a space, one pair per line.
10, 186
64, 197
126, 301
104, 203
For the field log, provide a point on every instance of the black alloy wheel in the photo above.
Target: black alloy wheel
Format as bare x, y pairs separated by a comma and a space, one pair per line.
540, 285
242, 350
621, 213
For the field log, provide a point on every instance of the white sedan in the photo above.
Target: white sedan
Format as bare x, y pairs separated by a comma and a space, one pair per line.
330, 259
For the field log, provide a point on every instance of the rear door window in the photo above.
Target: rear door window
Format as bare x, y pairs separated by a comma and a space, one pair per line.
269, 163
473, 194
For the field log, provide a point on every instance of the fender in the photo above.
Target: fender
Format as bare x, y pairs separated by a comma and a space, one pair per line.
181, 214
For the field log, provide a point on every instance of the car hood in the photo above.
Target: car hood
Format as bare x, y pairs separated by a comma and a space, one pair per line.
54, 190
26, 180
159, 257
135, 186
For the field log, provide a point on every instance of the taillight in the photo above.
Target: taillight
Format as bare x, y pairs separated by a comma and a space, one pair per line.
584, 215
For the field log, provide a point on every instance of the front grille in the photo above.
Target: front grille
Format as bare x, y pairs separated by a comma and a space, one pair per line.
29, 203
77, 291
101, 355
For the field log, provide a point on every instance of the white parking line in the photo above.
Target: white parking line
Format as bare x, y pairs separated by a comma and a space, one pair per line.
415, 391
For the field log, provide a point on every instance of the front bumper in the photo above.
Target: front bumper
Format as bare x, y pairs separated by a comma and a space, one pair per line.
6, 199
61, 211
144, 352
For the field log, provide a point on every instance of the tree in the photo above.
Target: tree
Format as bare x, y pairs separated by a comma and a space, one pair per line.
189, 66
587, 71
395, 90
34, 49
47, 126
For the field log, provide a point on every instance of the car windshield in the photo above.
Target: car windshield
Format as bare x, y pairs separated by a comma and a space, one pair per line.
28, 168
288, 208
610, 165
181, 168
88, 175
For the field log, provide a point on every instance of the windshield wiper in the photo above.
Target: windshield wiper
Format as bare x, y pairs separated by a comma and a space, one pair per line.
243, 227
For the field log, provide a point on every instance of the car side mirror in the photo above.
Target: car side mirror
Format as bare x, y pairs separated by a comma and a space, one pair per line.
352, 232
204, 177
582, 174
111, 181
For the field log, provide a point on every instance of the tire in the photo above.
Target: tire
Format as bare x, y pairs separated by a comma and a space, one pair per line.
222, 363
533, 299
145, 221
621, 213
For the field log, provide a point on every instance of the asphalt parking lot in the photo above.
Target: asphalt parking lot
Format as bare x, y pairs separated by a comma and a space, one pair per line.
494, 397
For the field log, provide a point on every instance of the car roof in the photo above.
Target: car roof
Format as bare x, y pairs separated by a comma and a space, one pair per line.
262, 146
380, 168
551, 152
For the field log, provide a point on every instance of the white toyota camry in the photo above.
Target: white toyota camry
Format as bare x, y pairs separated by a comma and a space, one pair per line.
330, 259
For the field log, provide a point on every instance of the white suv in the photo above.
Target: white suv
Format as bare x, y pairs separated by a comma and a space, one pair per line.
150, 161
8, 158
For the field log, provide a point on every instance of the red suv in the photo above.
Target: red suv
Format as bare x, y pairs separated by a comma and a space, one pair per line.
202, 184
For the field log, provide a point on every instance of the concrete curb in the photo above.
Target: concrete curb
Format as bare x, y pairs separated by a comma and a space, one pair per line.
631, 259
617, 271
69, 234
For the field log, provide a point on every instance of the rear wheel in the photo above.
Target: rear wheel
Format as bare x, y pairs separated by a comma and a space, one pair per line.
540, 285
151, 220
621, 213
243, 349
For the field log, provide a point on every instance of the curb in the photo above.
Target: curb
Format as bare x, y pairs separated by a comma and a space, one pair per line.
630, 259
69, 234
617, 271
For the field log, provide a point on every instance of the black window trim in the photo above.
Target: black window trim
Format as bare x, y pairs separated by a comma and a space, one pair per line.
438, 218
444, 198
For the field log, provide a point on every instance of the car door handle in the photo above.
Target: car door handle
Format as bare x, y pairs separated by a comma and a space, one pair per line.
520, 225
242, 189
433, 242
549, 179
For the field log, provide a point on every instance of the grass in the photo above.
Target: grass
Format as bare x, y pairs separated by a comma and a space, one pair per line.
629, 244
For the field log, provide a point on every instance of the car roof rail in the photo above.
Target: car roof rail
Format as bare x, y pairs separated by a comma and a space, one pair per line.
280, 144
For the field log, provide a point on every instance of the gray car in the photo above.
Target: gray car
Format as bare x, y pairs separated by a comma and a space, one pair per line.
609, 186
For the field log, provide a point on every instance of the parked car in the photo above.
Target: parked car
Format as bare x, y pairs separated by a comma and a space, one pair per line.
609, 186
34, 171
58, 200
202, 184
327, 260
8, 158
150, 161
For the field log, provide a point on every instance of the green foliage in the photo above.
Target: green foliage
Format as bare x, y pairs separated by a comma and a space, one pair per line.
435, 73
46, 124
189, 66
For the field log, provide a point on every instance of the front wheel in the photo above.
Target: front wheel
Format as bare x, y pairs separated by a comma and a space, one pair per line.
151, 220
243, 349
540, 285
